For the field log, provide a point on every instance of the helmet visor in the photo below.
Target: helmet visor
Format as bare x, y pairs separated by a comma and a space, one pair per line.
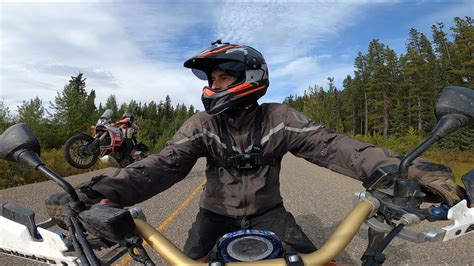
199, 73
233, 68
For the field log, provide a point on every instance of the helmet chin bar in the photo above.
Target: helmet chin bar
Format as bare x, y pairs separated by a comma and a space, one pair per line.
227, 104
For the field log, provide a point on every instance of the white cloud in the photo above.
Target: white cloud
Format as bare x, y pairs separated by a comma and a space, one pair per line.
136, 50
298, 67
290, 36
44, 44
284, 30
310, 71
456, 9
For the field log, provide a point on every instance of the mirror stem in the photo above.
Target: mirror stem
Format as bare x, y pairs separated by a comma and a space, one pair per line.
32, 159
60, 181
408, 159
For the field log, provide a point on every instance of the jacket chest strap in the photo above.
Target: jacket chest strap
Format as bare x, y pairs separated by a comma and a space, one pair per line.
247, 161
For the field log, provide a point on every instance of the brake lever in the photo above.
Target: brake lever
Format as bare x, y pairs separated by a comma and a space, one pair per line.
415, 237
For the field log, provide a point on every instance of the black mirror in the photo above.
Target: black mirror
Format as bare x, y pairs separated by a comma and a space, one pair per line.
19, 144
16, 139
454, 109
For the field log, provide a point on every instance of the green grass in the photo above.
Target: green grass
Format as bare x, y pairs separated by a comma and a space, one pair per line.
460, 162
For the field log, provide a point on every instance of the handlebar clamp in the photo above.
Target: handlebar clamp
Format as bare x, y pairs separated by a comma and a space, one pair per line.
366, 196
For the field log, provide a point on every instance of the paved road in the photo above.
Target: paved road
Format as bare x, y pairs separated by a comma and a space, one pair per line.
317, 197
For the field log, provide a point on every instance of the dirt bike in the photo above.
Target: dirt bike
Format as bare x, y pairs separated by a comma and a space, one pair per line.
390, 203
106, 143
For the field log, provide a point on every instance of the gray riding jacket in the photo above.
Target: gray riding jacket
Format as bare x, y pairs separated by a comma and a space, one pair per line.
229, 191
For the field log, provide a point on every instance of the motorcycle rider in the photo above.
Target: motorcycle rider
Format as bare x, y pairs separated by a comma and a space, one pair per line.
129, 129
244, 143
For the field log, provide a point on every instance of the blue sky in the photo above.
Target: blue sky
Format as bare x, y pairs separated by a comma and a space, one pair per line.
135, 49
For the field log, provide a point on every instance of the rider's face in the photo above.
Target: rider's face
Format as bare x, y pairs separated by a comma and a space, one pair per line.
221, 80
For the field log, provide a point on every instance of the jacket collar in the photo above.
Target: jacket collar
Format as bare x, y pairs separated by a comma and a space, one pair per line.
236, 118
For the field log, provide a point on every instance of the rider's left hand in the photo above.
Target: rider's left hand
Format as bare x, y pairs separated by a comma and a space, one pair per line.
437, 181
57, 204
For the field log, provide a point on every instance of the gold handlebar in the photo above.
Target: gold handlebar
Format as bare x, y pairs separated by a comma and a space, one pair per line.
336, 243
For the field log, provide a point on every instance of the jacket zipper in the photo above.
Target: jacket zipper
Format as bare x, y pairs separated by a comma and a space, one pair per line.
244, 185
240, 142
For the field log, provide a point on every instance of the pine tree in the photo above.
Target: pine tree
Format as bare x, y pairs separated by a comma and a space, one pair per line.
134, 108
463, 57
310, 106
191, 110
360, 83
150, 111
296, 102
5, 116
379, 87
111, 103
333, 107
443, 49
348, 108
419, 66
430, 83
167, 109
31, 112
70, 107
122, 109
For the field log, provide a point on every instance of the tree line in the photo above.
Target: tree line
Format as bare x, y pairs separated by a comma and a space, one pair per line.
74, 111
390, 94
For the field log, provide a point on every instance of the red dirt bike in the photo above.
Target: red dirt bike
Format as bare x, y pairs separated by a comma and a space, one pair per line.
107, 143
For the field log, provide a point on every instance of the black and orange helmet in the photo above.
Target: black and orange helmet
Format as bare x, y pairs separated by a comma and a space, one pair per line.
243, 62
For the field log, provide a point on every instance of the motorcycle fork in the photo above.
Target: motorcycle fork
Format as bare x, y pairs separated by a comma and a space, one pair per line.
96, 143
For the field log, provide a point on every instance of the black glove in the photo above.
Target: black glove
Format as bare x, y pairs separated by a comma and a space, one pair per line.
437, 181
58, 204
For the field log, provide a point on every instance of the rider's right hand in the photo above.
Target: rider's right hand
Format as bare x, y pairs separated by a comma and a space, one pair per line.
438, 182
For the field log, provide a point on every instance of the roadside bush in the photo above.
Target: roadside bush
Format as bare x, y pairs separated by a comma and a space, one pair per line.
15, 174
